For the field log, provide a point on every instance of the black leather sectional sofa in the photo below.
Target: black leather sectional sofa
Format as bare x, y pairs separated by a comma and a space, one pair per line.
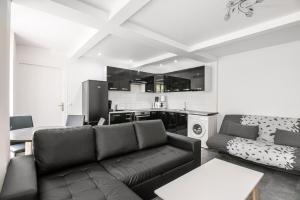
118, 162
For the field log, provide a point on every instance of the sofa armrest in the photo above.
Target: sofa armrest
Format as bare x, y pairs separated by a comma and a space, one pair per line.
186, 143
20, 182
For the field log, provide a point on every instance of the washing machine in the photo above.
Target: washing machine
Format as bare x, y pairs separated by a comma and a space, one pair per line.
202, 127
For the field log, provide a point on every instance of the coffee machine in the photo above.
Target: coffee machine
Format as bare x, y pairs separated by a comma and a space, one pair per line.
160, 102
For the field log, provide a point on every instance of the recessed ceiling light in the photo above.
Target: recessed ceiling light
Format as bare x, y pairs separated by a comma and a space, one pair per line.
99, 54
175, 61
130, 61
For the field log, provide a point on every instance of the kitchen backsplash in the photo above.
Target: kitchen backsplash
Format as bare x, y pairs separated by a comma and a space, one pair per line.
135, 99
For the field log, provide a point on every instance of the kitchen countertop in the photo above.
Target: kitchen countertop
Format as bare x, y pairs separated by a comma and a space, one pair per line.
190, 112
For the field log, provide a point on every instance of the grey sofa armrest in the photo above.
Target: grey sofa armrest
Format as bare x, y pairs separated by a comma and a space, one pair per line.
21, 180
186, 143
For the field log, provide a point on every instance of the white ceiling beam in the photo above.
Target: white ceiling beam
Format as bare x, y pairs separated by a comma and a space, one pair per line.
114, 21
78, 11
160, 42
255, 30
100, 15
154, 60
61, 10
128, 10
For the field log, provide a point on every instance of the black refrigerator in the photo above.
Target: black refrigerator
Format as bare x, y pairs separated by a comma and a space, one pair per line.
94, 101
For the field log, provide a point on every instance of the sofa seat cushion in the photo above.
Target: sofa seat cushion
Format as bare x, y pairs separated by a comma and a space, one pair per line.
266, 153
137, 167
87, 182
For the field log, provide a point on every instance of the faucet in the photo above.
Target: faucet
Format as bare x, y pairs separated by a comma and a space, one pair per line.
185, 107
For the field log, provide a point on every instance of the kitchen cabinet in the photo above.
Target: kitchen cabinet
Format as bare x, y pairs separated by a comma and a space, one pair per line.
174, 122
149, 84
171, 122
188, 80
181, 123
118, 79
194, 79
117, 118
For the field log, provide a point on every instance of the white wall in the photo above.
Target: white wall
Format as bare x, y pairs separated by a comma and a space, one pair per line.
77, 72
4, 86
30, 59
262, 82
38, 75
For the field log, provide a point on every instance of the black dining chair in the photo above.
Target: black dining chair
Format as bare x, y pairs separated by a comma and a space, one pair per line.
75, 120
19, 122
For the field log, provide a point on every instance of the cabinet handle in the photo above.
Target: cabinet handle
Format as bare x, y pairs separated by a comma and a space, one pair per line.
114, 115
113, 88
186, 89
124, 88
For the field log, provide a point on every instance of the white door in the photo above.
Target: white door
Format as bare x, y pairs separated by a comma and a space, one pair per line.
38, 91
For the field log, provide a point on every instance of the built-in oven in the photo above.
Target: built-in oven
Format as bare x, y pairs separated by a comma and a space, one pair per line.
142, 115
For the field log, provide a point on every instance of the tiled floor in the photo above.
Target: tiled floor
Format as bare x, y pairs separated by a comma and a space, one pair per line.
275, 185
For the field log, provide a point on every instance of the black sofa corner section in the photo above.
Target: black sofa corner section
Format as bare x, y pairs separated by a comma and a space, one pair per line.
117, 162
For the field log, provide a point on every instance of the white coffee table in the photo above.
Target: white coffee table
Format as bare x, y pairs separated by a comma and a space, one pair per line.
215, 180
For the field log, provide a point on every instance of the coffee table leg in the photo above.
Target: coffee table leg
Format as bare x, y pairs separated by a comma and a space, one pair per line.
28, 148
255, 194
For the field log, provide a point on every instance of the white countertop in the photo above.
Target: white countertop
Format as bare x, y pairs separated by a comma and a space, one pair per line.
190, 112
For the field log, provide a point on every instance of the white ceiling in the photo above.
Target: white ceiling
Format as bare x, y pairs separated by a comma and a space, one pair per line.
172, 64
152, 32
194, 21
114, 47
39, 29
108, 6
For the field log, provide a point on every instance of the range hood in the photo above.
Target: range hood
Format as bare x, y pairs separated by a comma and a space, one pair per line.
137, 81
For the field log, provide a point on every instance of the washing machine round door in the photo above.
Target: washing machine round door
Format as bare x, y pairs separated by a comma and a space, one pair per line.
199, 129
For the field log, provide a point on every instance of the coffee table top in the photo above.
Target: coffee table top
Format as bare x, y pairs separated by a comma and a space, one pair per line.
214, 180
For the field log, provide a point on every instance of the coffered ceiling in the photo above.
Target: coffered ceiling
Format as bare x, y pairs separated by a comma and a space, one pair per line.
134, 33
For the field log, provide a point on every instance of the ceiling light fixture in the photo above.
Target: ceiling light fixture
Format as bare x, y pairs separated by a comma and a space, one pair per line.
99, 54
243, 6
175, 61
130, 61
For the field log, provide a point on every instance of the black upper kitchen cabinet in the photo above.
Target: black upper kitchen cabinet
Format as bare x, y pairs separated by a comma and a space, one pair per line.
94, 101
118, 79
149, 83
186, 80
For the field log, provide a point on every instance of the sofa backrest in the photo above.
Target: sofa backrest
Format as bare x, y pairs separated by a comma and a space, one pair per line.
150, 133
115, 140
57, 149
267, 124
